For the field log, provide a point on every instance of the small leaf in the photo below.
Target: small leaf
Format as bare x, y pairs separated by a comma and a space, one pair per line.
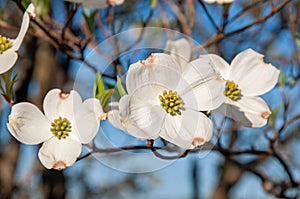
99, 86
119, 91
282, 79
120, 88
89, 19
42, 7
274, 114
292, 82
105, 97
153, 3
100, 93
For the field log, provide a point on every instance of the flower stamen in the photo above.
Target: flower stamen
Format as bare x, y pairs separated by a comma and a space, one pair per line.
171, 102
5, 44
61, 127
232, 91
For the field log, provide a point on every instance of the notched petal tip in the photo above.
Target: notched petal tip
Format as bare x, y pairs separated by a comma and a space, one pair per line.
30, 10
198, 141
63, 95
149, 60
115, 2
102, 116
266, 114
59, 165
11, 120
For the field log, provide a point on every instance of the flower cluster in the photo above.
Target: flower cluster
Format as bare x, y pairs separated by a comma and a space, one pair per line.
67, 123
168, 96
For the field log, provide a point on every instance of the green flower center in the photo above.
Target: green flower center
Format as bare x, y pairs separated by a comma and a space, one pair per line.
5, 44
61, 127
171, 102
232, 91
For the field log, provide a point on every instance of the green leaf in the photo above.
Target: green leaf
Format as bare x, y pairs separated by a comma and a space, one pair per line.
105, 97
99, 86
153, 3
119, 91
292, 82
100, 93
89, 19
120, 88
282, 79
42, 7
274, 114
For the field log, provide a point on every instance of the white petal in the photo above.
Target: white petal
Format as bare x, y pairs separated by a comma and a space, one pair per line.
16, 43
219, 64
124, 106
28, 124
210, 1
115, 2
115, 119
59, 154
253, 76
181, 50
204, 89
204, 96
200, 68
7, 60
57, 104
159, 68
249, 111
145, 112
87, 120
189, 130
94, 105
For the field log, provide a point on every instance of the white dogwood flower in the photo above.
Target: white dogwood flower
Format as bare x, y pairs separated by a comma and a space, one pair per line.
247, 77
163, 101
67, 123
98, 4
181, 50
9, 47
219, 1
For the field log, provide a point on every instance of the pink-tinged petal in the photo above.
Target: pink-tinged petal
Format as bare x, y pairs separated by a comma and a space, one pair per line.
28, 124
219, 64
253, 76
7, 60
59, 154
16, 43
203, 89
181, 50
57, 104
87, 120
159, 68
189, 130
249, 111
115, 2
